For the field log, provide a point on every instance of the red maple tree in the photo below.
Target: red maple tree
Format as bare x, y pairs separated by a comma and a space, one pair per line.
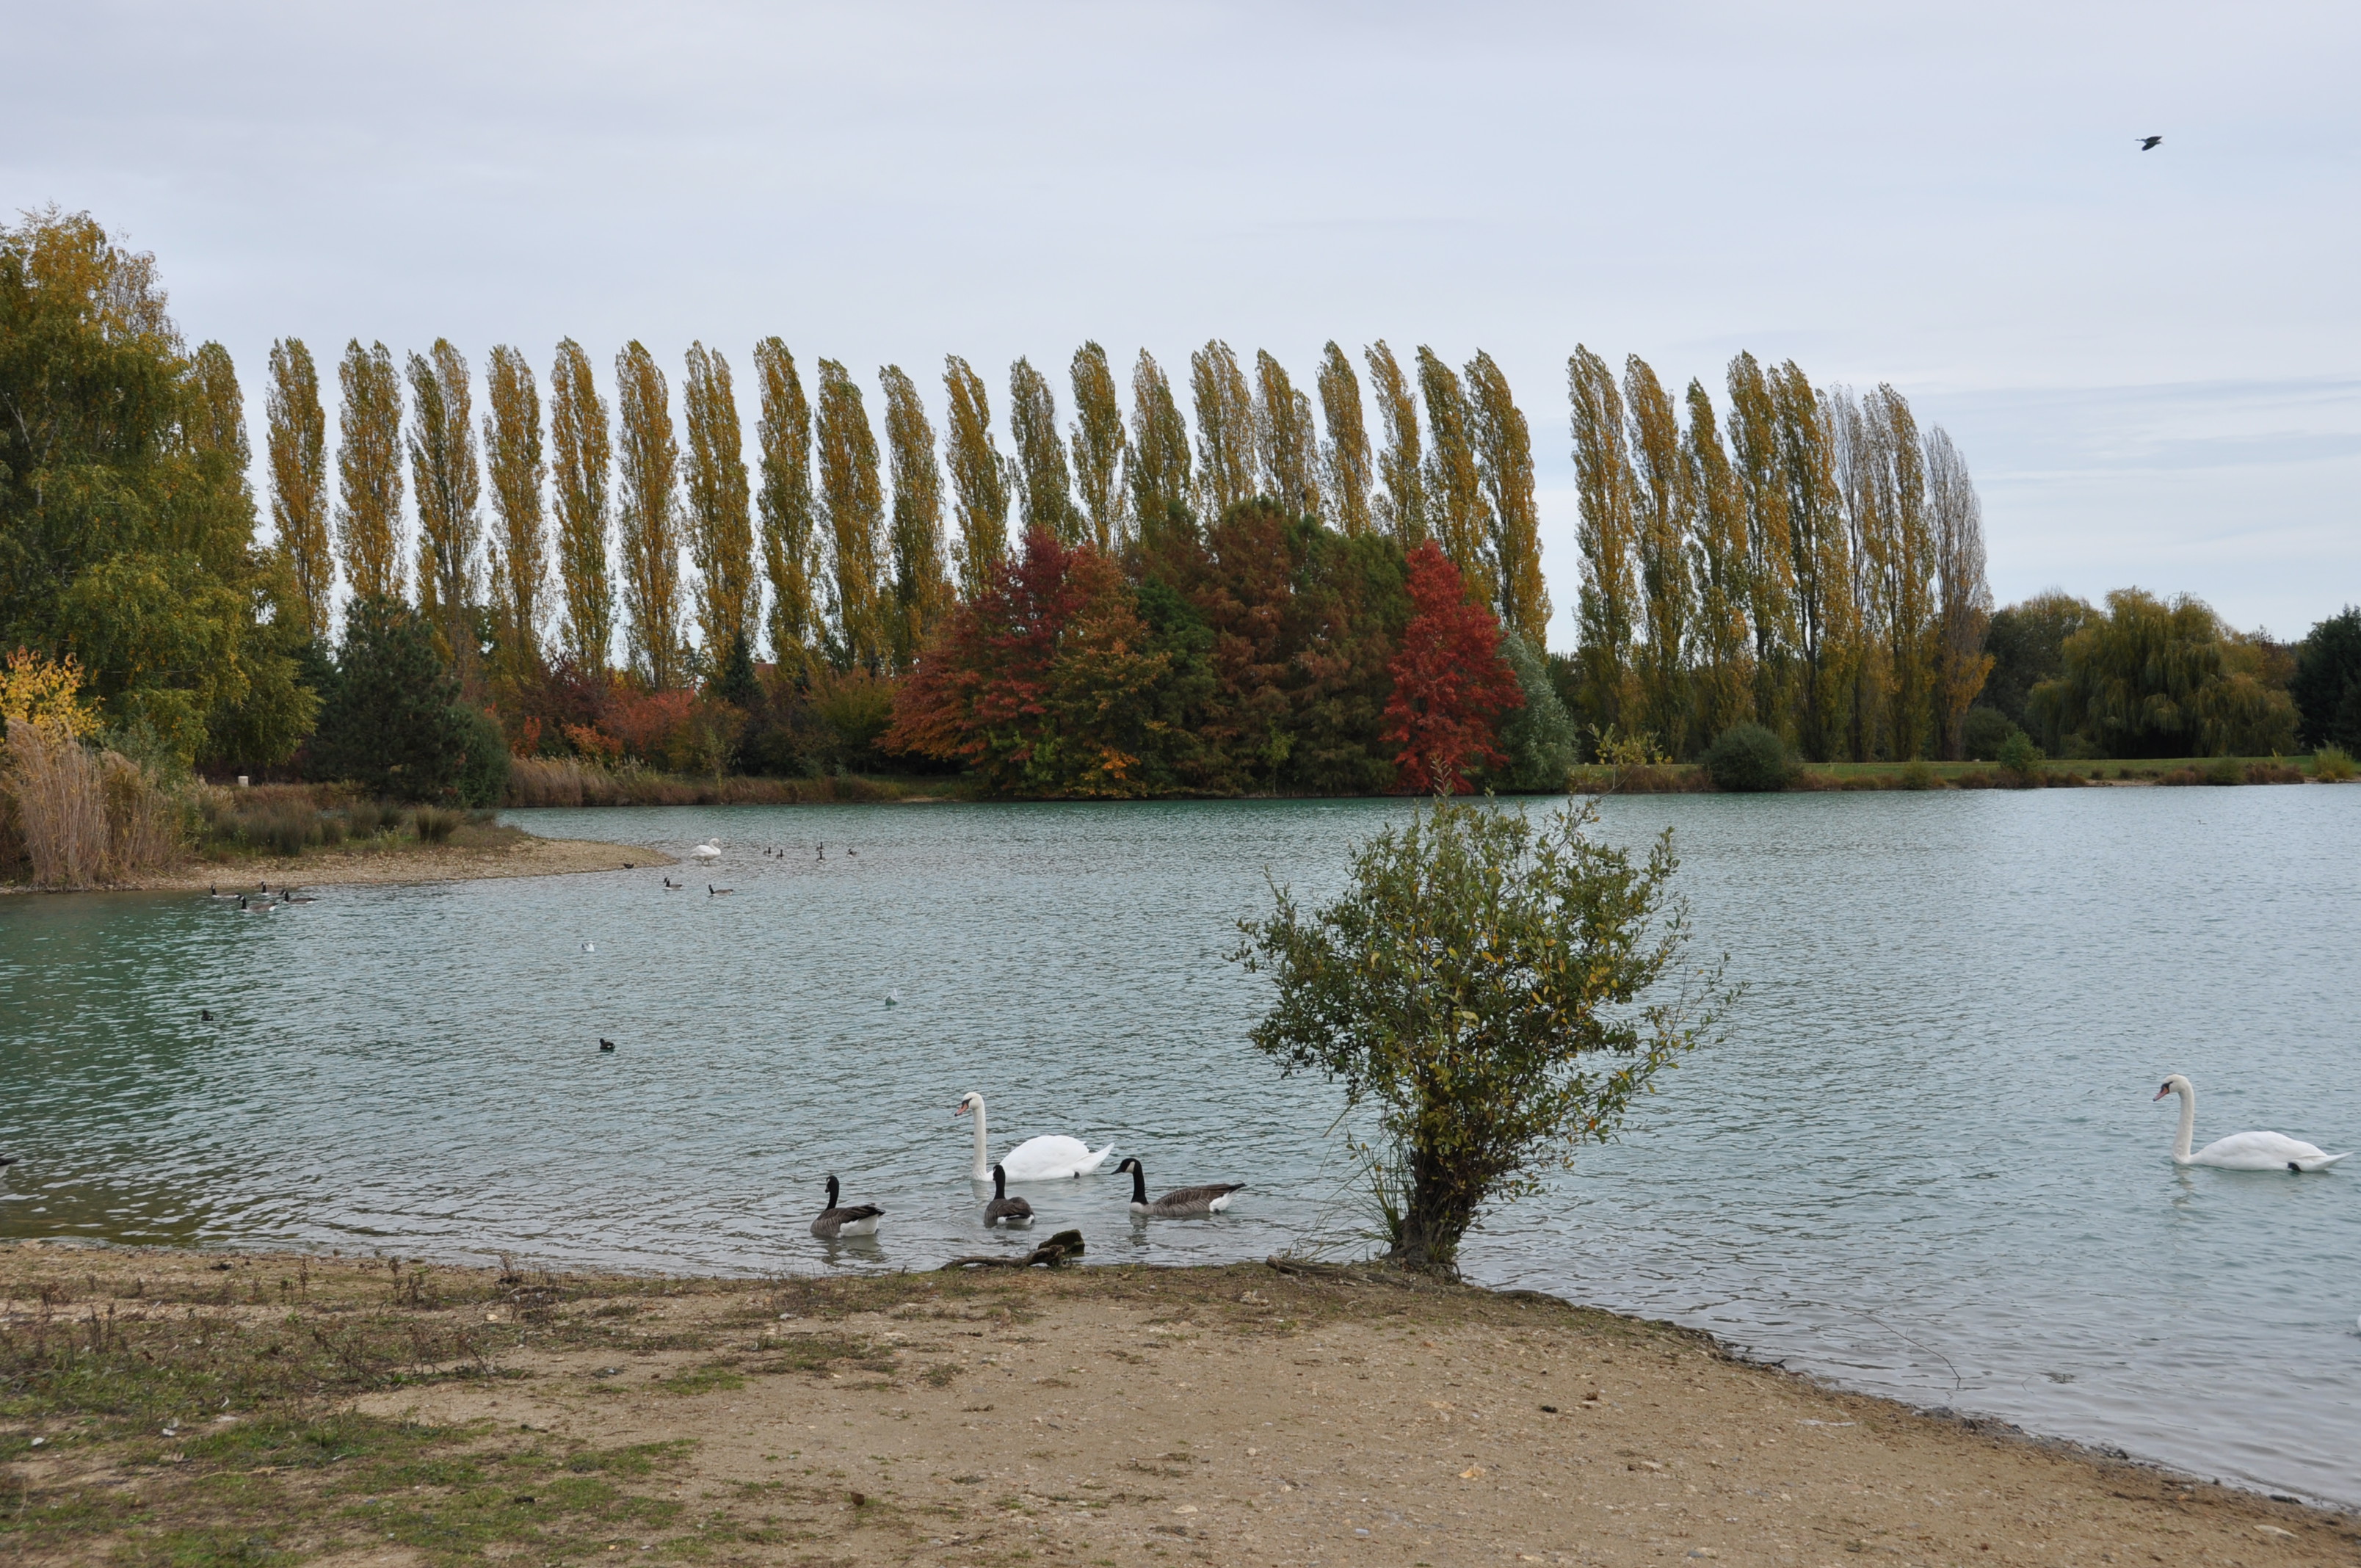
1450, 682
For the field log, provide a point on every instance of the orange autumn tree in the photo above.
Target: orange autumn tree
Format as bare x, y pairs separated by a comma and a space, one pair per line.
1038, 682
1450, 683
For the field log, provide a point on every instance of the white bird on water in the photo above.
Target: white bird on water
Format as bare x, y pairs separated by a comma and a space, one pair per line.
708, 851
590, 947
1043, 1158
2240, 1151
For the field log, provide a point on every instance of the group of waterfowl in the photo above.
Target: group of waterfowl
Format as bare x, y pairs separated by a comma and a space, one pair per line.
1050, 1158
261, 902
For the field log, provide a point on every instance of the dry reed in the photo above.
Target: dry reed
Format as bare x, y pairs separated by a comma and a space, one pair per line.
60, 805
569, 781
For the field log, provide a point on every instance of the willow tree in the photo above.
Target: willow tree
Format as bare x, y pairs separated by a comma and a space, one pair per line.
1819, 546
298, 441
856, 516
448, 482
921, 591
721, 524
791, 539
1098, 446
1345, 455
1504, 466
648, 461
1605, 610
578, 442
1401, 509
1770, 552
1287, 443
368, 471
1044, 486
1661, 516
512, 460
1157, 469
1963, 607
1456, 511
1225, 428
979, 477
1722, 667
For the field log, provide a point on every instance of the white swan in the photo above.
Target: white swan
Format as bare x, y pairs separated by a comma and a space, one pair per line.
708, 851
2239, 1151
1036, 1160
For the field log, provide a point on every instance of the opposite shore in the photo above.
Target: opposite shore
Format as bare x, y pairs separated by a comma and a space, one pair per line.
397, 1412
523, 856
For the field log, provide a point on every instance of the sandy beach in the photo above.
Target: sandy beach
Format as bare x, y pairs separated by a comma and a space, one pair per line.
527, 856
378, 1411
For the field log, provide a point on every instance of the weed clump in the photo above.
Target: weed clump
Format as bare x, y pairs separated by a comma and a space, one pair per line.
1747, 758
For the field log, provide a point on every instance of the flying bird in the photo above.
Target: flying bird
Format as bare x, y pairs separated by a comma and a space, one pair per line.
2148, 144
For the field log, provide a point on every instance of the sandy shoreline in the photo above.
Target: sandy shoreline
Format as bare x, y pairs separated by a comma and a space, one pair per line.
439, 862
1120, 1414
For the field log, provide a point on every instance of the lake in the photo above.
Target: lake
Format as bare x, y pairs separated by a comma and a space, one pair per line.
1923, 1162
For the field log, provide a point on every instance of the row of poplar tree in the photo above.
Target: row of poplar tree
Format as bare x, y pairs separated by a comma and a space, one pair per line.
861, 561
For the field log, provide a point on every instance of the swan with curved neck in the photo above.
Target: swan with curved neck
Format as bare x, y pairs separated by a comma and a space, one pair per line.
1045, 1159
2240, 1151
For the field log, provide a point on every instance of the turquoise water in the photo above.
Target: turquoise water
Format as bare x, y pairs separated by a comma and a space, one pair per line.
1924, 1162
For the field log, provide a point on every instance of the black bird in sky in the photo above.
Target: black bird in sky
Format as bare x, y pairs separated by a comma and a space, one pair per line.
2148, 144
604, 1045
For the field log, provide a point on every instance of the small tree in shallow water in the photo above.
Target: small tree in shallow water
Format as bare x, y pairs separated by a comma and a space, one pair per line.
1499, 988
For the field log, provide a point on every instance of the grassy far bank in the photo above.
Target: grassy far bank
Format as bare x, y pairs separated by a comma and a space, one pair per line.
193, 1408
1675, 778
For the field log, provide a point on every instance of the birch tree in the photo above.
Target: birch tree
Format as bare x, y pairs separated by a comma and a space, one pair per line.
1401, 510
298, 441
579, 444
448, 481
1345, 455
1225, 429
368, 471
520, 555
921, 591
721, 522
1098, 445
856, 517
1504, 466
648, 461
791, 542
1044, 485
979, 477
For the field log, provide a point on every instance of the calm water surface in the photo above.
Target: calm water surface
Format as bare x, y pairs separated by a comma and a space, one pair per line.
1923, 1163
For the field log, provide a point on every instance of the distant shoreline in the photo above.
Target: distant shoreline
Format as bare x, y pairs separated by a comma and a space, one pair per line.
530, 857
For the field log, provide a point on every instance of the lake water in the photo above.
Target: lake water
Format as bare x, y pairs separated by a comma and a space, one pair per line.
1924, 1162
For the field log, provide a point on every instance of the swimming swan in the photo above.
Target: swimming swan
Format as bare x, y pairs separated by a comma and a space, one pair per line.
834, 1222
1036, 1160
1182, 1203
2239, 1151
708, 851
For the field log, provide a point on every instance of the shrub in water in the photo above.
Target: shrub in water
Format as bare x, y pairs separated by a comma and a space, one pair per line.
1747, 759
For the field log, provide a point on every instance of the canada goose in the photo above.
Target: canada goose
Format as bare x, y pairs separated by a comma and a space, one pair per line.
713, 892
855, 853
289, 896
671, 887
1003, 1210
204, 1015
246, 906
834, 1222
213, 890
606, 1045
1182, 1203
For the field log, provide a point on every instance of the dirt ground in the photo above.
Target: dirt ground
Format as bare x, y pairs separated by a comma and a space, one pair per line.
430, 862
1104, 1416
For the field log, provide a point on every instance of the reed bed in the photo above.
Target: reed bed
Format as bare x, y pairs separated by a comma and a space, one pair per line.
83, 817
570, 781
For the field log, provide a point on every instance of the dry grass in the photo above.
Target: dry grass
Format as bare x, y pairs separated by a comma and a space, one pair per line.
85, 818
569, 781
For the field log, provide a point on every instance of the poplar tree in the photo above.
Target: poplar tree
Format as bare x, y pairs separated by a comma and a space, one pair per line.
1852, 454
721, 523
1156, 467
979, 477
648, 461
856, 515
512, 459
1098, 446
1724, 666
921, 590
448, 483
1401, 509
297, 441
218, 423
1906, 589
1345, 455
1818, 545
1661, 522
1287, 443
1043, 482
578, 440
1604, 614
791, 539
1964, 607
1504, 465
1226, 427
368, 471
1456, 511
1770, 552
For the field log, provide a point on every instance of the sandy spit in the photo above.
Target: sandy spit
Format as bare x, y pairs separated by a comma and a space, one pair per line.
435, 862
1247, 1415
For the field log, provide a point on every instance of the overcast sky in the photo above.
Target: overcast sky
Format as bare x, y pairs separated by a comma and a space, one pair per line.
2148, 358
